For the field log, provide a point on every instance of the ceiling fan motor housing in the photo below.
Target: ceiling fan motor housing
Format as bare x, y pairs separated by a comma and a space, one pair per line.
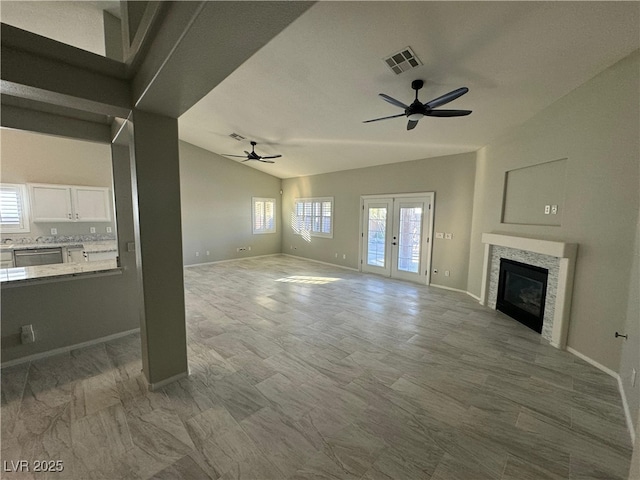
417, 84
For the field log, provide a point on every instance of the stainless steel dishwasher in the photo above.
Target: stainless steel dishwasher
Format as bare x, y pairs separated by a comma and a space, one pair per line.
30, 257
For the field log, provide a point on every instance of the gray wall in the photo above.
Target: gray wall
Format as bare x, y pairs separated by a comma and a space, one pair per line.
35, 158
596, 128
631, 348
216, 197
450, 177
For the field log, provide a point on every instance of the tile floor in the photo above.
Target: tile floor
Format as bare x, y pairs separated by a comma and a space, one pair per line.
301, 370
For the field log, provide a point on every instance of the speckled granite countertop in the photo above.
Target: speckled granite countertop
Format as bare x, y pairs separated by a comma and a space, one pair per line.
23, 275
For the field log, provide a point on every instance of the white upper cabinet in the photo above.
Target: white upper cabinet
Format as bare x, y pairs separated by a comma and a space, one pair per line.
51, 203
91, 204
66, 203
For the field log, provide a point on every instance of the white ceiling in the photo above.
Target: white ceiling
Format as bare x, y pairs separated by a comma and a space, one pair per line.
305, 94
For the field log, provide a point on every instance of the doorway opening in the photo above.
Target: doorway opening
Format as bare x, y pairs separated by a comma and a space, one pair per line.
395, 232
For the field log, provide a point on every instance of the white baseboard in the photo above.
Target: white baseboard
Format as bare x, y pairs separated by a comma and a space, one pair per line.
455, 290
599, 366
447, 288
475, 297
608, 371
230, 260
58, 351
320, 261
155, 386
627, 411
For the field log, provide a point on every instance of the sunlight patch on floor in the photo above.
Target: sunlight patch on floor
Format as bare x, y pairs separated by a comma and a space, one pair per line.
309, 280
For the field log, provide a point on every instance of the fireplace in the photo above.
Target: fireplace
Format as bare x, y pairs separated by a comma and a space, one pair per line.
522, 291
558, 258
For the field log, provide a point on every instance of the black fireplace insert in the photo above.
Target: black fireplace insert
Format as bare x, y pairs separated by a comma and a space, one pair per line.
522, 290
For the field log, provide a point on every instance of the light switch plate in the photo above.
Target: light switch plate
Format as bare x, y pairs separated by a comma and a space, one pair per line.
554, 209
448, 236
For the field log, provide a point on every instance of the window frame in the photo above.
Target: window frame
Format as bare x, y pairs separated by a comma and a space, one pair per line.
300, 221
25, 217
264, 230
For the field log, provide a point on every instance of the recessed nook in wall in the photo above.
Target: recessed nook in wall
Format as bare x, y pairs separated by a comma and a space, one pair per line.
534, 195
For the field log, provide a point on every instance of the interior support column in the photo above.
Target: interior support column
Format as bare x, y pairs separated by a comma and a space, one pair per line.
156, 185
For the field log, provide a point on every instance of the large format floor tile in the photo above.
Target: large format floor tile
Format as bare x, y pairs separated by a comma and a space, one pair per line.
305, 371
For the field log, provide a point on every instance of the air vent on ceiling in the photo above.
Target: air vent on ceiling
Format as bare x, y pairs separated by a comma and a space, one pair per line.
402, 61
235, 136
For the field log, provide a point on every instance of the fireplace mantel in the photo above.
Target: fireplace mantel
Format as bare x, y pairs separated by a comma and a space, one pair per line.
565, 253
544, 247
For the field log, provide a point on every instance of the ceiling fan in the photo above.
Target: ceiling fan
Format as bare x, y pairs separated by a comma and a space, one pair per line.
254, 156
417, 110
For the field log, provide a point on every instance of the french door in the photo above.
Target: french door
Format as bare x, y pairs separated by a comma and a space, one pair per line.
396, 233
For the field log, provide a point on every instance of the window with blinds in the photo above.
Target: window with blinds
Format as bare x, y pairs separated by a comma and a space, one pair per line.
14, 211
264, 215
314, 217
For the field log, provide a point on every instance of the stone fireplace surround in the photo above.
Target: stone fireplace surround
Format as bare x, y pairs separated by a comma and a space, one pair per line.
558, 257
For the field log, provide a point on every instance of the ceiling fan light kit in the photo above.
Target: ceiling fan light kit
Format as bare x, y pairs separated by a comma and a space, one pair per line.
252, 155
417, 110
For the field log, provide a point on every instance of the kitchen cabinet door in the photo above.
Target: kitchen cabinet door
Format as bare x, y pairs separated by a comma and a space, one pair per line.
6, 259
51, 203
92, 204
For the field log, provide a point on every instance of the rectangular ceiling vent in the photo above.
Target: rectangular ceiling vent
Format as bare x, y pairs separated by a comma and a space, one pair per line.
402, 61
235, 136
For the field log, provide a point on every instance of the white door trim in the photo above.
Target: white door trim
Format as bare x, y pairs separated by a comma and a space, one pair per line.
430, 198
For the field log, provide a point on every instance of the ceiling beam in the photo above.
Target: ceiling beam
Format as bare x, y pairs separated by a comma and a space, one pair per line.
41, 69
52, 124
201, 44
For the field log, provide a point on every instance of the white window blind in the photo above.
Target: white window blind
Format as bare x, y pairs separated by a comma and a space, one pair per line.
314, 217
264, 215
14, 211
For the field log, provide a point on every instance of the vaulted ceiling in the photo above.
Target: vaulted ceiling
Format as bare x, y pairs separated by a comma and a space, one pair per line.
306, 93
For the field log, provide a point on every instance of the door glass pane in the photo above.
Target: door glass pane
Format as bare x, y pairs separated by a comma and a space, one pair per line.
376, 240
409, 242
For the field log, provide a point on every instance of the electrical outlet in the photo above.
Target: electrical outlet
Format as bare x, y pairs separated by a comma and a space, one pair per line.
27, 335
108, 229
447, 273
439, 235
336, 254
197, 254
249, 248
54, 231
547, 209
448, 236
344, 256
92, 229
207, 253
